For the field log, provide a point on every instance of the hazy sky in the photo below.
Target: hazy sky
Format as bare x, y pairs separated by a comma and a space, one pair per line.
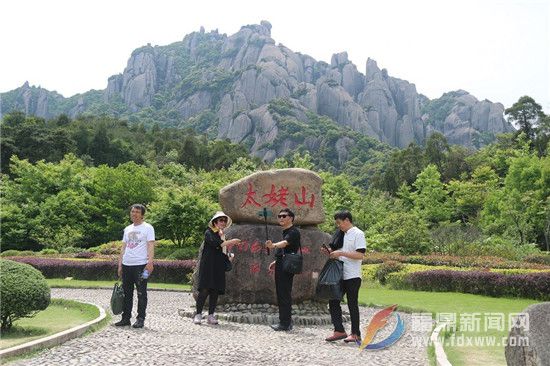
495, 49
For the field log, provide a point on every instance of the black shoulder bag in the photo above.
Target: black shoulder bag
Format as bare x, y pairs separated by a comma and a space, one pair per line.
293, 262
227, 262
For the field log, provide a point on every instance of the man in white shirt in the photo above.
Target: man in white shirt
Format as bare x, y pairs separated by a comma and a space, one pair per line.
135, 264
350, 251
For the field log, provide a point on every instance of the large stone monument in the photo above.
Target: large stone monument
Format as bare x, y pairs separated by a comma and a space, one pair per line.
528, 343
244, 201
249, 284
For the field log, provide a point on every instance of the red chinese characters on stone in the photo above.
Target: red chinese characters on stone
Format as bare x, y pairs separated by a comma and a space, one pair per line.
279, 197
255, 268
242, 246
304, 201
256, 247
250, 197
276, 197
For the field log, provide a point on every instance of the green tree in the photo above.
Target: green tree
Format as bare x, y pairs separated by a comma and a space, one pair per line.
517, 210
403, 167
99, 145
456, 164
222, 153
62, 220
114, 190
41, 199
525, 112
338, 194
467, 197
430, 197
543, 135
402, 232
181, 215
437, 149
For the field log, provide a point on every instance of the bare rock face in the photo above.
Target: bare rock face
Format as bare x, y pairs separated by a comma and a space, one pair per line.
139, 79
297, 189
249, 281
237, 76
527, 343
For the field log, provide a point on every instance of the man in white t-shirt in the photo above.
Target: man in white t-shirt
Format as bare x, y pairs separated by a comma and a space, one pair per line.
136, 264
350, 249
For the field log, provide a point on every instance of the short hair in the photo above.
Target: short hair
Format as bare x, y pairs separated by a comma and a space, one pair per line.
140, 207
289, 212
342, 215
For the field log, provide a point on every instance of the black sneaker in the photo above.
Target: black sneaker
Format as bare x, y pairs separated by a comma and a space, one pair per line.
280, 327
138, 323
122, 323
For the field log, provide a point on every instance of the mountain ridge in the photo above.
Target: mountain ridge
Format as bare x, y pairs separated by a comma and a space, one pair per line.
229, 86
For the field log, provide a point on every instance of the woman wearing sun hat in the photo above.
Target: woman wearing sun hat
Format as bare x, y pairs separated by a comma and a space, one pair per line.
212, 266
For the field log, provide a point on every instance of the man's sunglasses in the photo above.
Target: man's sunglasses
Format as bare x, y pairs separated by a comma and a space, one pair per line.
282, 216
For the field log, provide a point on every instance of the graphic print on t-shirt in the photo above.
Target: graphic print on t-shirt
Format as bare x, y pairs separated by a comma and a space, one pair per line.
134, 240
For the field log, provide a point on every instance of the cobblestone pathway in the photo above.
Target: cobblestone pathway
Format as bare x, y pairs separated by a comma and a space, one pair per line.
168, 339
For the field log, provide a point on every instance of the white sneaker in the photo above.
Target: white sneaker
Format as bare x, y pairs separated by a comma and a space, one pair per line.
212, 320
197, 319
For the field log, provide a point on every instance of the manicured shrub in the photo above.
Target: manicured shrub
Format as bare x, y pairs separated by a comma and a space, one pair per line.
10, 253
386, 268
84, 255
397, 280
454, 261
538, 258
184, 253
369, 271
81, 269
70, 250
27, 253
164, 252
49, 251
532, 285
23, 291
377, 257
111, 248
173, 271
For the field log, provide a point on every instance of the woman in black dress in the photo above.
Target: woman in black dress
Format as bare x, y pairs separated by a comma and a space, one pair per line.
212, 266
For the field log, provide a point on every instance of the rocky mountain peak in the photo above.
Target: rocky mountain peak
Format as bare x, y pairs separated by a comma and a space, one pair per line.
234, 79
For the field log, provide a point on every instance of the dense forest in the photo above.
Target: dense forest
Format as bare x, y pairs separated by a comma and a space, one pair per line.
67, 183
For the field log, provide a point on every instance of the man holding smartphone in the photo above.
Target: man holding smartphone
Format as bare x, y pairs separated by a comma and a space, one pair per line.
350, 249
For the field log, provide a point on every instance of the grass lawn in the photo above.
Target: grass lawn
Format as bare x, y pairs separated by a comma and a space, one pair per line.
59, 316
62, 283
452, 302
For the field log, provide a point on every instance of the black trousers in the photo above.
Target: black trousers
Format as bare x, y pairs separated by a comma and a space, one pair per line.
131, 276
351, 289
212, 295
283, 286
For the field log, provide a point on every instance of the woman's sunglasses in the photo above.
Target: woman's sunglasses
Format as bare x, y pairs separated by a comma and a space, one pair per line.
282, 216
222, 219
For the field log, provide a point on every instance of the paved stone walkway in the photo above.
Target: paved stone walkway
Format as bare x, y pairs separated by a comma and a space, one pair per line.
168, 339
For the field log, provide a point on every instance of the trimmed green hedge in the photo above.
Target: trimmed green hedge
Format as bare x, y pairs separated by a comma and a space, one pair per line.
23, 291
532, 285
398, 280
106, 270
533, 261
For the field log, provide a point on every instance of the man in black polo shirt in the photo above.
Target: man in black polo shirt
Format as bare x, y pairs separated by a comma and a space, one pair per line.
283, 280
